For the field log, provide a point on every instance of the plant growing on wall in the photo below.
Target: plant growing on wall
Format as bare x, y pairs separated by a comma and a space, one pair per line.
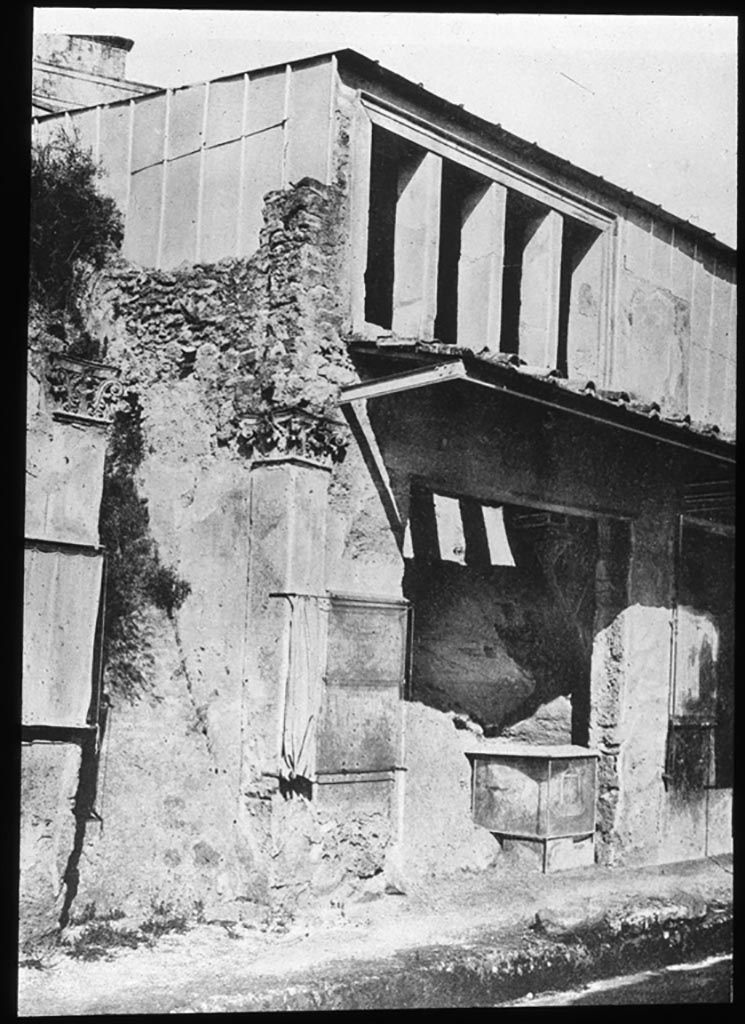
136, 578
72, 223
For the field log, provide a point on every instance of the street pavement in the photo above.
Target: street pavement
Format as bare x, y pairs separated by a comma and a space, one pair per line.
467, 940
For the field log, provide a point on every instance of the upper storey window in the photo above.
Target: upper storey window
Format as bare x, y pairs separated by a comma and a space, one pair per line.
454, 254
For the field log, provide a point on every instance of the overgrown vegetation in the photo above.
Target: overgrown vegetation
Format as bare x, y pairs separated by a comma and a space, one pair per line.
135, 575
99, 938
163, 921
75, 228
72, 223
90, 913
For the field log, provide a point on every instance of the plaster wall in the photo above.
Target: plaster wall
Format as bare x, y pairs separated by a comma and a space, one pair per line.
640, 821
674, 338
362, 555
430, 825
198, 503
643, 820
671, 318
181, 734
490, 644
101, 55
166, 802
64, 469
49, 783
438, 835
207, 347
453, 440
287, 528
264, 130
80, 71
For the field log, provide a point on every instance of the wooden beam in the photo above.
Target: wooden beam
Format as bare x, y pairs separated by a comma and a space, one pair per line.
403, 382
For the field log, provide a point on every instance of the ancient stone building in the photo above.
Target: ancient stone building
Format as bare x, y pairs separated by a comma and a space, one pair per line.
428, 437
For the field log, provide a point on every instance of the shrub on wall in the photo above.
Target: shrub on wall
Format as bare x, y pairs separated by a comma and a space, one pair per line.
74, 227
135, 575
72, 222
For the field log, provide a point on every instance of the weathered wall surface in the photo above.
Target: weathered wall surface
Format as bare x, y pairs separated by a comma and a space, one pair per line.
453, 440
211, 352
188, 196
489, 644
79, 71
430, 829
168, 832
461, 662
502, 642
63, 490
362, 554
643, 820
49, 783
64, 460
102, 55
674, 340
438, 834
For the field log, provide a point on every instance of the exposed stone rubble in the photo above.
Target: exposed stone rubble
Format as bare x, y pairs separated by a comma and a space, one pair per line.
224, 360
258, 334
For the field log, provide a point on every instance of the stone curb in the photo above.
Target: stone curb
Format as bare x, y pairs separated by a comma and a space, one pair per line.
485, 973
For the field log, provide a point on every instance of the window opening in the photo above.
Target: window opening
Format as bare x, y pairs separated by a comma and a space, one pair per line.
393, 161
578, 239
459, 530
703, 690
461, 190
500, 552
523, 216
499, 639
512, 271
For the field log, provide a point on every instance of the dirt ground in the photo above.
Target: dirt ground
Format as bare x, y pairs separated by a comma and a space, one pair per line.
221, 966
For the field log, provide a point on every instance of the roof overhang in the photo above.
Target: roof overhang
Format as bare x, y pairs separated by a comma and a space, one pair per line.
501, 378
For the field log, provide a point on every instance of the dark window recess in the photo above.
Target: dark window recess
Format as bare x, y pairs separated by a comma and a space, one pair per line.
461, 189
423, 525
690, 762
522, 217
577, 240
706, 586
392, 163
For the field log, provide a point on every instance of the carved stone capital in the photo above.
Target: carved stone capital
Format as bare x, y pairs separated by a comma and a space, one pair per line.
282, 433
82, 390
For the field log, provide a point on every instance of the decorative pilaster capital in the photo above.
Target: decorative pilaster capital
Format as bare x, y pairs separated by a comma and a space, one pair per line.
283, 433
81, 390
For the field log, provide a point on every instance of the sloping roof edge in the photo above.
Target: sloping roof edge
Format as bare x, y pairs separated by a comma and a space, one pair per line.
364, 65
372, 69
581, 397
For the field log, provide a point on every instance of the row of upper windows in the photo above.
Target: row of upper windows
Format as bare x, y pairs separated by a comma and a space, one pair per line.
458, 257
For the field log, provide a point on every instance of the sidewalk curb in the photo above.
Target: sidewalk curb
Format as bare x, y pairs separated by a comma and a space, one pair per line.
485, 973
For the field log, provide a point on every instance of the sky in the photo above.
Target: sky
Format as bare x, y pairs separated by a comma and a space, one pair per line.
647, 101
